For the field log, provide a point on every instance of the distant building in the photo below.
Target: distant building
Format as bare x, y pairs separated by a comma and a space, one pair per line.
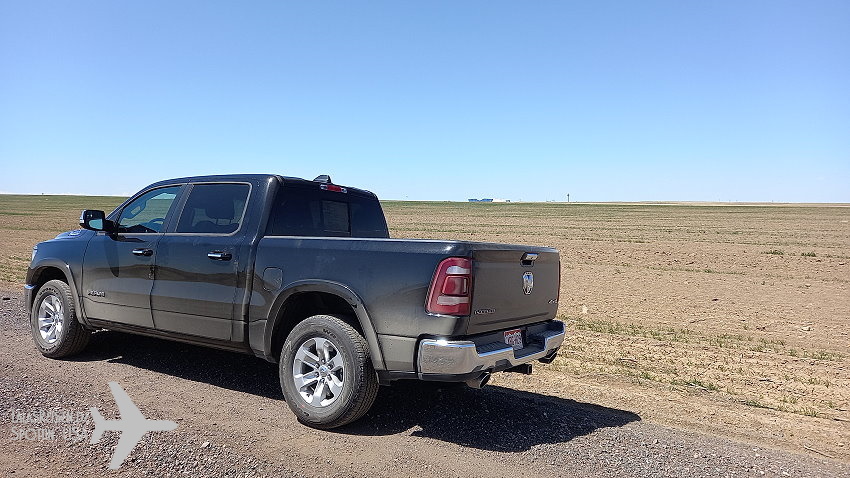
488, 200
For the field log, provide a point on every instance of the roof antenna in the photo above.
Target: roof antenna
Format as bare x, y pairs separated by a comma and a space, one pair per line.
324, 178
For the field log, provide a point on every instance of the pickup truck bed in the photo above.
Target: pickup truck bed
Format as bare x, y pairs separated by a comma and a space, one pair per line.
395, 295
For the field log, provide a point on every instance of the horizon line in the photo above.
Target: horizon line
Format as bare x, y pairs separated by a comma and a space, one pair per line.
671, 202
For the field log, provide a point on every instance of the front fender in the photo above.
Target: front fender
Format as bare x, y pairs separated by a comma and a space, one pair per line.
43, 265
339, 290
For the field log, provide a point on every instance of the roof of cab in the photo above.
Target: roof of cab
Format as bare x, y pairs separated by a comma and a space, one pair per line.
249, 177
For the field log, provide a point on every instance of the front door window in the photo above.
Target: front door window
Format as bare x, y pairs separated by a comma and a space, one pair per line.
146, 214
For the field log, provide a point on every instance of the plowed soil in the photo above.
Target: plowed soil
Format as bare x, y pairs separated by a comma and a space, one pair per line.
726, 321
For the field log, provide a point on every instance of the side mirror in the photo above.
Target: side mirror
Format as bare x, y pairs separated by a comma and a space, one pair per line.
95, 220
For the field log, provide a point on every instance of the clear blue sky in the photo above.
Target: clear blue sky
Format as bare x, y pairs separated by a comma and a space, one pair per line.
607, 101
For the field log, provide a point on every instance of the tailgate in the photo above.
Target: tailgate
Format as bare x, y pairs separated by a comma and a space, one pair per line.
510, 289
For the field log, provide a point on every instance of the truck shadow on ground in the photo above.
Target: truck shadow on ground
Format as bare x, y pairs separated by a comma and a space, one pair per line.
494, 418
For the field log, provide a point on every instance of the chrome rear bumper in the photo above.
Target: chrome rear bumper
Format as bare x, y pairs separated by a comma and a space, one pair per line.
442, 359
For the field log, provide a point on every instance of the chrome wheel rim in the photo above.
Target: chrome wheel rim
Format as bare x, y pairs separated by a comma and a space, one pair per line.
318, 371
51, 318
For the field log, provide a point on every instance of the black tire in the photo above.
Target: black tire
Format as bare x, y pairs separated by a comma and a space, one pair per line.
359, 380
70, 337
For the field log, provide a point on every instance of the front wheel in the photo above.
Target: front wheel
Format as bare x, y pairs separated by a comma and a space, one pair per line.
53, 320
326, 372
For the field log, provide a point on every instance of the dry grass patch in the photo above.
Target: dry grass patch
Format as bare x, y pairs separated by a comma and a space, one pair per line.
736, 367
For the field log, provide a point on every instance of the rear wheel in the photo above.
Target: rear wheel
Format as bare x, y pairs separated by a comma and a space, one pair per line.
53, 320
326, 372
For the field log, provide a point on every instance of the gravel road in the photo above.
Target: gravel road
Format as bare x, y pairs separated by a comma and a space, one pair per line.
233, 422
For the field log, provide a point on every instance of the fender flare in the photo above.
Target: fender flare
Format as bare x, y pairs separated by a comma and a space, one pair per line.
51, 263
333, 288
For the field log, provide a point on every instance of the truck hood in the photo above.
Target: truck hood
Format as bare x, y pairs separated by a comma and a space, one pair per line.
75, 234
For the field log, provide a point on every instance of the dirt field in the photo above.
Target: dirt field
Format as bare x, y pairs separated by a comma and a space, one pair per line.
232, 422
722, 319
725, 319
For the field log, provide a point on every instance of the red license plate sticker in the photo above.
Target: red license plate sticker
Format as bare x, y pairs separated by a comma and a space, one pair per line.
514, 338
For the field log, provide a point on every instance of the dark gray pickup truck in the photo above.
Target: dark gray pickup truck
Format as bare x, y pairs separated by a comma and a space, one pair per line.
301, 273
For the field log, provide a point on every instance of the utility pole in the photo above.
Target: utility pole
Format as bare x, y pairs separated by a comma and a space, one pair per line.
568, 197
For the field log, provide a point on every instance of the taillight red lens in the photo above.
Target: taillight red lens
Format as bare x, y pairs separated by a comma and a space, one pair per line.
450, 291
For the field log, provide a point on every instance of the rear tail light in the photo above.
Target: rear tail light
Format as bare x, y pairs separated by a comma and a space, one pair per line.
451, 289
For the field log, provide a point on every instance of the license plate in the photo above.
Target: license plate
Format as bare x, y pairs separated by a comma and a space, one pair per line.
514, 338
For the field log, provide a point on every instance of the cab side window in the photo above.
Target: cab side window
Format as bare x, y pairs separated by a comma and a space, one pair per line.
214, 209
309, 211
147, 213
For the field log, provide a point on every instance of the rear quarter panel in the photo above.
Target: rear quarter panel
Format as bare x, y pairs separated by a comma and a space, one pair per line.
389, 276
389, 280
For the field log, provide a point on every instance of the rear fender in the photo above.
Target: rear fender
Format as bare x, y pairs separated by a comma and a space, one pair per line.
339, 290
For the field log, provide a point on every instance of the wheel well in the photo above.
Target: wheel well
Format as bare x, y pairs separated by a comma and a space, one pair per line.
48, 274
307, 304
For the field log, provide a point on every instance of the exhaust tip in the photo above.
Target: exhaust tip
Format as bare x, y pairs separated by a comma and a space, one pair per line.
479, 382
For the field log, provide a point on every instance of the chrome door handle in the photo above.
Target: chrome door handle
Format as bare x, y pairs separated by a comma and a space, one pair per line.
143, 252
219, 256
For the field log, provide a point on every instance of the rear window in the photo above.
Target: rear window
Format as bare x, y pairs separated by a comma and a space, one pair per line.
310, 211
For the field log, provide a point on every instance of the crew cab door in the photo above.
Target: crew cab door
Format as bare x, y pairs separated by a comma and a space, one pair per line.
198, 262
118, 268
